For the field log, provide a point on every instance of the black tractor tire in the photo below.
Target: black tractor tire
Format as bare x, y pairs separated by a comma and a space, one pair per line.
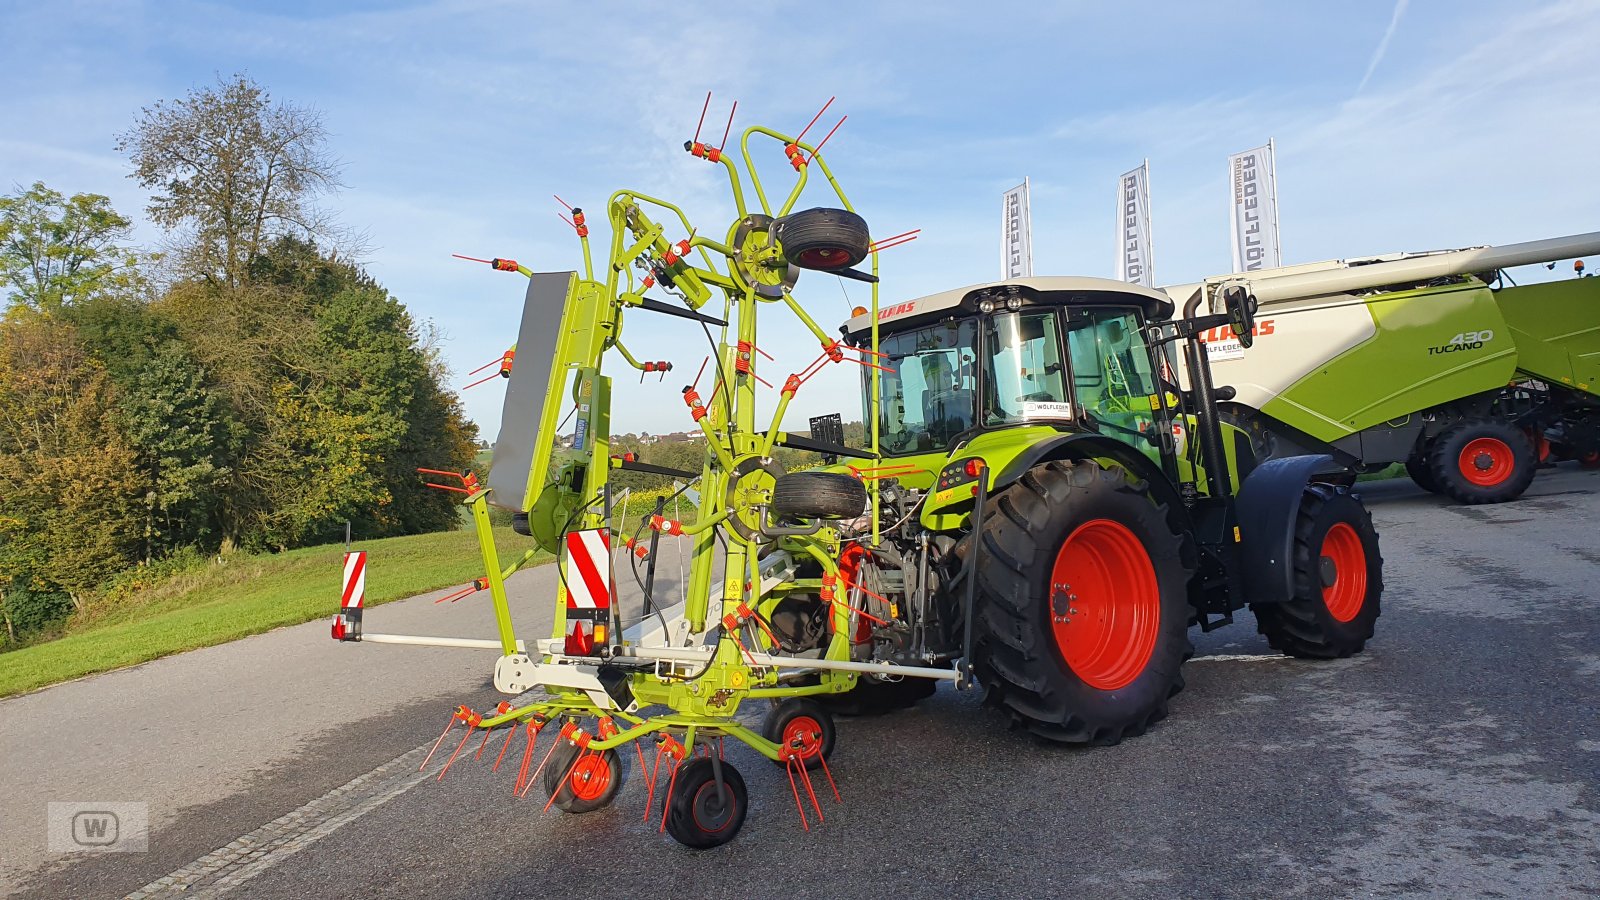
803, 725
1338, 580
697, 814
594, 785
823, 239
1074, 543
818, 495
1482, 461
1417, 468
873, 696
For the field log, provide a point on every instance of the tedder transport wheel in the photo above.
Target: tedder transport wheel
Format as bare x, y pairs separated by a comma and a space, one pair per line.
1482, 461
818, 495
874, 696
824, 239
1082, 624
1338, 580
800, 724
698, 814
582, 783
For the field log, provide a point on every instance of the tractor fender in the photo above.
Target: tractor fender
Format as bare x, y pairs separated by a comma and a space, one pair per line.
1267, 506
1093, 446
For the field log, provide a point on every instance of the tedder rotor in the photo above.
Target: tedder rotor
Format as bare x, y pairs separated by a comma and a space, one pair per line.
1039, 508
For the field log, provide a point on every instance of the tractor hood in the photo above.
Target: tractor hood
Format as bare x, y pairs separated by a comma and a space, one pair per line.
1062, 290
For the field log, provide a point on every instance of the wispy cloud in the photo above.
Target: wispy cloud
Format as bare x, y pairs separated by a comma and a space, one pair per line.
1383, 45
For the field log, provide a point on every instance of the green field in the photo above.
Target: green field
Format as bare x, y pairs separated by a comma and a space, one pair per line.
244, 595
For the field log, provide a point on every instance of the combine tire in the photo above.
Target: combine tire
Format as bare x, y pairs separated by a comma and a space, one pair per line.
1338, 580
1482, 461
1082, 618
1417, 468
818, 495
581, 781
700, 816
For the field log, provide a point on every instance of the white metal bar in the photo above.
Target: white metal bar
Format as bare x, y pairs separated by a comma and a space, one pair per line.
422, 640
701, 654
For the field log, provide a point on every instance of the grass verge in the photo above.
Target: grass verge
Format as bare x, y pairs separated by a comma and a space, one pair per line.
219, 602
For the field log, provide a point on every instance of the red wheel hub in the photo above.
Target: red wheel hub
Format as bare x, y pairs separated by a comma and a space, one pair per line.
824, 258
589, 778
1344, 572
1486, 461
1105, 604
802, 736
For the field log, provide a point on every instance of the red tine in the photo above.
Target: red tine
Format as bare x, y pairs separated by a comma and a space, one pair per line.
789, 765
510, 736
823, 141
912, 233
729, 130
814, 119
471, 258
447, 727
564, 204
702, 117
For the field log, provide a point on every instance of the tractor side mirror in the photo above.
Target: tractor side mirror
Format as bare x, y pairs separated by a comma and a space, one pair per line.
1241, 308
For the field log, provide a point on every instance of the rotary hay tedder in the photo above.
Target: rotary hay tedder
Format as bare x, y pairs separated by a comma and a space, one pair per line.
1030, 512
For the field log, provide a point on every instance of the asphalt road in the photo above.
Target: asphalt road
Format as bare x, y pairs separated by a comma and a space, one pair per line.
1459, 756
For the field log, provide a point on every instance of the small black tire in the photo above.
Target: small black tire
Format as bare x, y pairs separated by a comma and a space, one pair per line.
1417, 468
1110, 677
873, 696
697, 814
593, 785
802, 725
1482, 461
824, 239
818, 495
1338, 580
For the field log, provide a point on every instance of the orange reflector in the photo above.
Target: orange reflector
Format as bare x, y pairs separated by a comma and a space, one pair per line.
858, 311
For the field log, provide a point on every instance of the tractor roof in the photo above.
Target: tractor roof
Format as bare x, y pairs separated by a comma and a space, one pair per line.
1055, 289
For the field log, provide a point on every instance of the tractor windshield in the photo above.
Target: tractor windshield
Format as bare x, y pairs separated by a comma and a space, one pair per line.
929, 391
1111, 372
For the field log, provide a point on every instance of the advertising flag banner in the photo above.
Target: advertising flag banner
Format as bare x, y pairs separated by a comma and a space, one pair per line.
1134, 244
1253, 177
1016, 234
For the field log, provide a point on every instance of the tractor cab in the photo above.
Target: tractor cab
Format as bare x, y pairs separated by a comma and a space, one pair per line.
1067, 354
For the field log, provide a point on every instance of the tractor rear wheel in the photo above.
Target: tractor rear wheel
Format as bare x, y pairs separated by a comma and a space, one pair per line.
1081, 626
1338, 580
1482, 461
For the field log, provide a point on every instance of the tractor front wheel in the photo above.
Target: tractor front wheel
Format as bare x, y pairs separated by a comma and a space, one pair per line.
1338, 580
1482, 461
1081, 627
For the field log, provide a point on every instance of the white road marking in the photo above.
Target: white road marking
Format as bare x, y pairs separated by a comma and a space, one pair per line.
226, 868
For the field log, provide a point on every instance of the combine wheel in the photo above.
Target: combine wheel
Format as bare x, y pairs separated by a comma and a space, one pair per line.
582, 783
701, 816
802, 725
1482, 461
1082, 622
1417, 468
1338, 580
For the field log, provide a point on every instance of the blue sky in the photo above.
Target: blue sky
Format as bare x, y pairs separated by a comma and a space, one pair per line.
1431, 124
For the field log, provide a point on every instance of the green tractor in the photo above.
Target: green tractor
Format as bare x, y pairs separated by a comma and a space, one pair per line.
1040, 508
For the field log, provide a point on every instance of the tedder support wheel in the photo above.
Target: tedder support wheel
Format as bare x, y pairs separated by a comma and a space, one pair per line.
1338, 580
699, 814
582, 781
1482, 461
1081, 626
818, 495
803, 726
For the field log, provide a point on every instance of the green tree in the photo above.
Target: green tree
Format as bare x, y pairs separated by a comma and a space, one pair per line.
232, 170
55, 250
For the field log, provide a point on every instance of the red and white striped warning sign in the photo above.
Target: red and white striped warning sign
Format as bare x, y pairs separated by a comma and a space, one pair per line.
588, 569
355, 579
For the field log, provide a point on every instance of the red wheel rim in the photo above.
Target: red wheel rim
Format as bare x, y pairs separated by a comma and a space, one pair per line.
706, 807
589, 778
824, 258
1105, 604
1343, 568
803, 736
1486, 461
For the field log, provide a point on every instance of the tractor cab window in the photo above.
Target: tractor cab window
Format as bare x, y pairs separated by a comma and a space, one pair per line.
928, 394
1024, 378
1111, 371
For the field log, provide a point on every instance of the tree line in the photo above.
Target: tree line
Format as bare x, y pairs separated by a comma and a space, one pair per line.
245, 385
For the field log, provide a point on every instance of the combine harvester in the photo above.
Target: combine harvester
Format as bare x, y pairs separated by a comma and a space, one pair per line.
1430, 359
1010, 521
